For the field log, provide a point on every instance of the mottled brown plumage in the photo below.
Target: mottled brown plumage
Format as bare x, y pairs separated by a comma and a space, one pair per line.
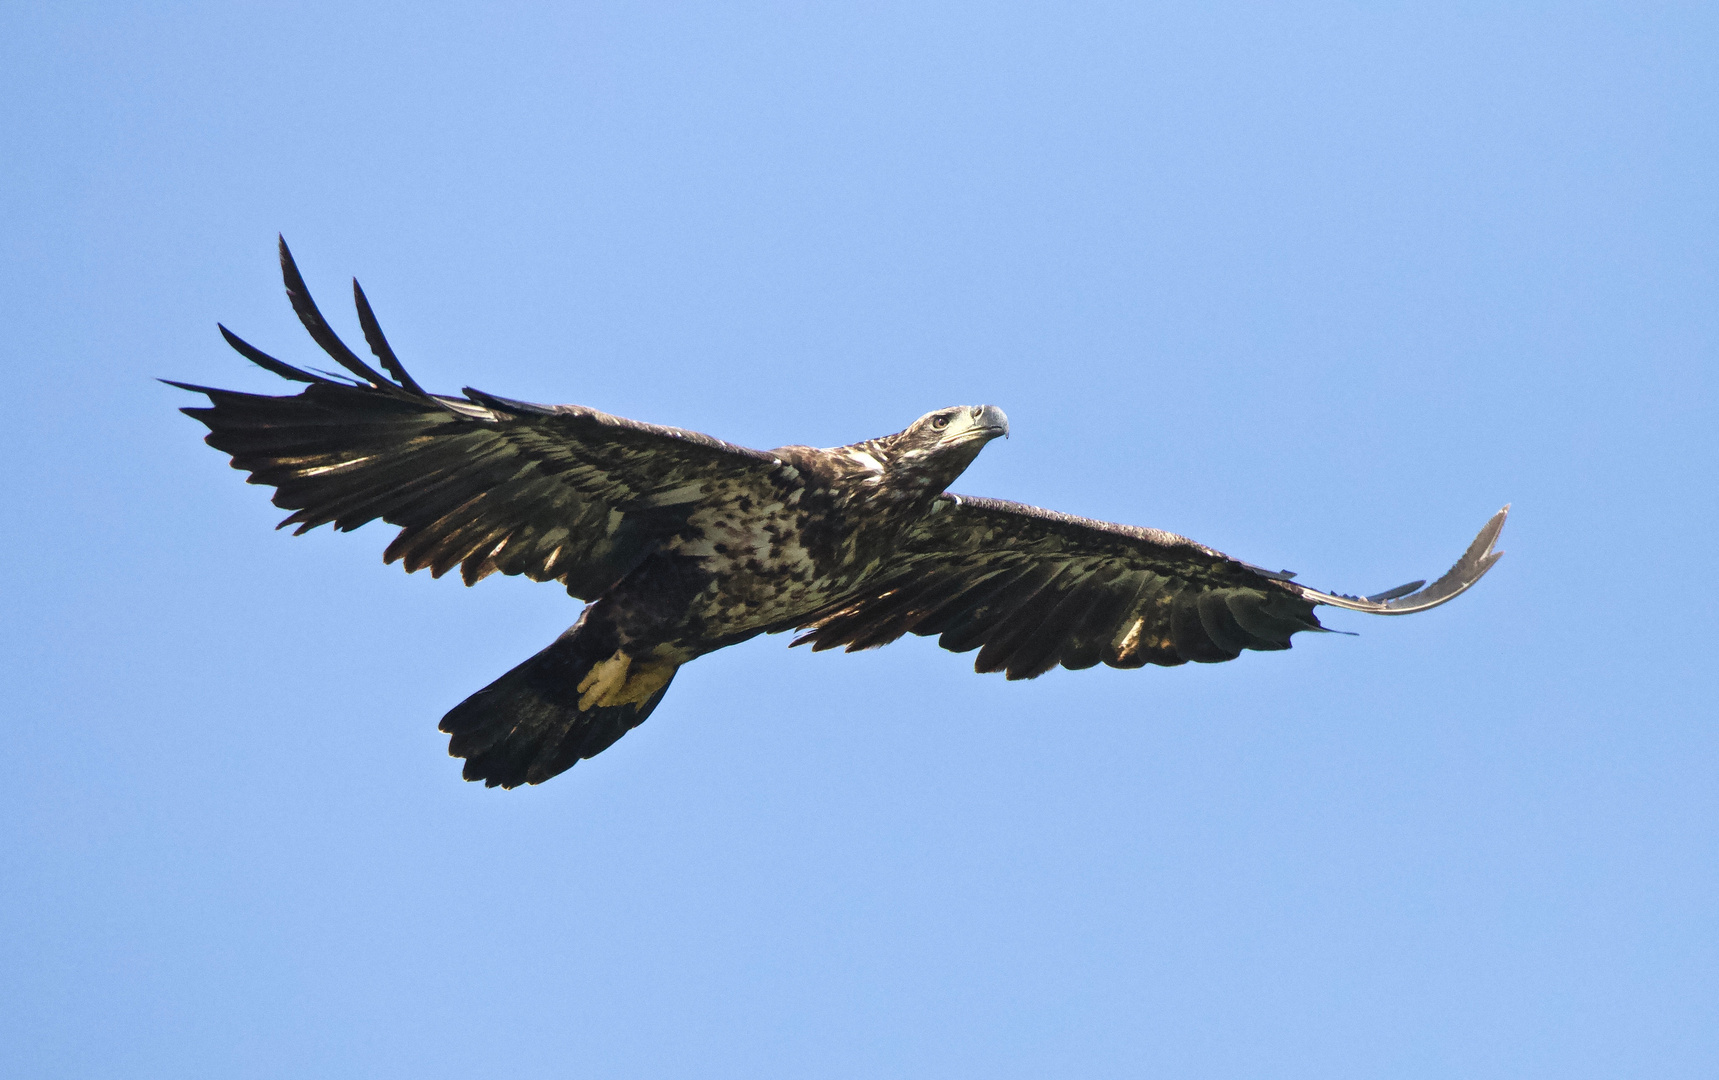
684, 544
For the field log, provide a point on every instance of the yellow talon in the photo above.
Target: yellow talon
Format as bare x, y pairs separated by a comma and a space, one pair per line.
614, 681
603, 681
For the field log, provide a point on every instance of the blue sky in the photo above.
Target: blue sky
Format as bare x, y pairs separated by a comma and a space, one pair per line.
1319, 285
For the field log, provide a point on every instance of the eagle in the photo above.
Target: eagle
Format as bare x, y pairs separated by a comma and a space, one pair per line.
681, 544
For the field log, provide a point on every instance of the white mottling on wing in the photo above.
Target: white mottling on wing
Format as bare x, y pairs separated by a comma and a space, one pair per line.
1132, 639
320, 470
864, 460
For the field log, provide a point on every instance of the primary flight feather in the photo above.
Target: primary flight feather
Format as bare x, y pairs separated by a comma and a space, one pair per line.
682, 544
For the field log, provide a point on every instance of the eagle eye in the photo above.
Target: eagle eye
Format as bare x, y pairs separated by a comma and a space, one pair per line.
938, 423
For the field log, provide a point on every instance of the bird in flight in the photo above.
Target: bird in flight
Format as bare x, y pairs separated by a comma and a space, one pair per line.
681, 544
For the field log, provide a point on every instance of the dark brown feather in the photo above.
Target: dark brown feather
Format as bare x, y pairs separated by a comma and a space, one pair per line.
1031, 589
379, 344
320, 332
1023, 620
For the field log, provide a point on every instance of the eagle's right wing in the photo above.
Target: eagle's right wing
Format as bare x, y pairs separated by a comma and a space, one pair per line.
1031, 589
483, 483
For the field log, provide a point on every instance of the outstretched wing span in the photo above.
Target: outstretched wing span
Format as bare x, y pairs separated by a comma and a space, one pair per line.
1031, 589
480, 482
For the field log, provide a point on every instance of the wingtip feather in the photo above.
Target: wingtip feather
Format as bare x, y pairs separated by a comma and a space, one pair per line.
1469, 569
264, 360
298, 294
379, 343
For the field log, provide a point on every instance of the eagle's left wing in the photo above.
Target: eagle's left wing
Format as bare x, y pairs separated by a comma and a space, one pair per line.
1031, 589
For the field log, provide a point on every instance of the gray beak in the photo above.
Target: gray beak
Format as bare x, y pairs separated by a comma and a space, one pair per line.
992, 420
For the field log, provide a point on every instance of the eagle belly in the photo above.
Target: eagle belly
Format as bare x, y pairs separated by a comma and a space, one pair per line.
762, 565
758, 553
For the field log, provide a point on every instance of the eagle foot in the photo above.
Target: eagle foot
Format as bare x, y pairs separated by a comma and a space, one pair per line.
616, 681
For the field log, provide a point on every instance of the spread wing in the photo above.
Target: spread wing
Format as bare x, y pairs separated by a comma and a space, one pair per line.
1031, 589
480, 482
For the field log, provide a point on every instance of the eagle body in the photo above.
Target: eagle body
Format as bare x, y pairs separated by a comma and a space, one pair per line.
761, 552
682, 544
769, 556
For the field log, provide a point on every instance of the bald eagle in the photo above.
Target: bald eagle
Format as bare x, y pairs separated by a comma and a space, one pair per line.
681, 544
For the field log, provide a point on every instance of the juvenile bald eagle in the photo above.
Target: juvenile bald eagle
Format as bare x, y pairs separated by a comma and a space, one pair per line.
682, 544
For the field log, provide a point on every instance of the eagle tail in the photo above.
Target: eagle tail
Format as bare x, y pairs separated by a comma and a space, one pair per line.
571, 701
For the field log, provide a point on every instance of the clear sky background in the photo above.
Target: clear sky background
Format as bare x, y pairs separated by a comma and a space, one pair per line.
1322, 286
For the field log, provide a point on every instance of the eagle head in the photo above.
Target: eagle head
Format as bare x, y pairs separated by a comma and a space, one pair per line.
938, 447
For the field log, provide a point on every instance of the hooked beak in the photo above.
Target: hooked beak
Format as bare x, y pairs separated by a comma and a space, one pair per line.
990, 422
